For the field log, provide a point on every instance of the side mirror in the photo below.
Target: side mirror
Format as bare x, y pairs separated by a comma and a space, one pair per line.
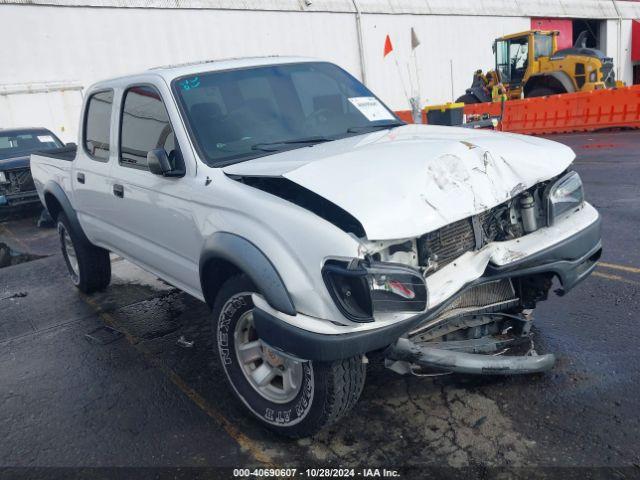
158, 162
71, 145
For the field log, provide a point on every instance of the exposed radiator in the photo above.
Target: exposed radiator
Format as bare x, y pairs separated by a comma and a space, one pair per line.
487, 297
443, 246
19, 181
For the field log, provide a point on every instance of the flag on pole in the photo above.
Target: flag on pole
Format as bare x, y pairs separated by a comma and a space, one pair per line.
414, 39
387, 46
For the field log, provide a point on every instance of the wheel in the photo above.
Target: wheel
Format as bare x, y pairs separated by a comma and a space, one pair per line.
542, 92
293, 397
89, 266
467, 99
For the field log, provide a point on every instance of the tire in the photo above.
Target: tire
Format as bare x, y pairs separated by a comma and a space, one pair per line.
326, 391
467, 99
89, 266
542, 92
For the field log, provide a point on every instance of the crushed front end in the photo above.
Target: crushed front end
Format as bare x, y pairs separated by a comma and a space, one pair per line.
17, 189
484, 276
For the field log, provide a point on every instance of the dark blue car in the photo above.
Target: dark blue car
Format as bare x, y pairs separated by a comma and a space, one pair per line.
16, 145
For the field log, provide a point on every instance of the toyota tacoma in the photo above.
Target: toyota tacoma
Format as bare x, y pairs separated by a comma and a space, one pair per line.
319, 228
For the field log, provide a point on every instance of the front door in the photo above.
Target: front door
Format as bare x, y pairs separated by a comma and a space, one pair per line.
156, 227
512, 60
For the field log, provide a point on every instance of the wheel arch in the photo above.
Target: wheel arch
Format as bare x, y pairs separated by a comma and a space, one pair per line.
557, 81
56, 201
226, 254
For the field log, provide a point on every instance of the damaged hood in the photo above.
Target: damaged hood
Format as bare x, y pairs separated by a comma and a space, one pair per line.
414, 179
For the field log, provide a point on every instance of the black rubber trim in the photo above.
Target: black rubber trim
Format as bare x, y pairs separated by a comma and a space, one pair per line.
572, 260
316, 346
56, 190
249, 259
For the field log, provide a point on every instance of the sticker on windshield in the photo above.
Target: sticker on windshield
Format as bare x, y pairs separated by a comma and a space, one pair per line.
189, 83
45, 138
371, 108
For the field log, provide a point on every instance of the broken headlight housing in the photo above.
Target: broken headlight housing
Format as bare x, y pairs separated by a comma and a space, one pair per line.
564, 195
362, 289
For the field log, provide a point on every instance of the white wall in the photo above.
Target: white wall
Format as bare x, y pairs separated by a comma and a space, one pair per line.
55, 47
89, 44
464, 40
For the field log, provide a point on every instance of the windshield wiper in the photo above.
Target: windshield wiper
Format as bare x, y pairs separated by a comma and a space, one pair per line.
365, 128
270, 146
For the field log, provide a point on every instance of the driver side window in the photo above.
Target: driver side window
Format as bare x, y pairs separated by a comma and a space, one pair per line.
145, 126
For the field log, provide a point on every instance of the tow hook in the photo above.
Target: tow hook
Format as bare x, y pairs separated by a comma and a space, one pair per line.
405, 350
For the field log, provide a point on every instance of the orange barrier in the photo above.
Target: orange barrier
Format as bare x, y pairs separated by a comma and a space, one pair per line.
405, 115
569, 112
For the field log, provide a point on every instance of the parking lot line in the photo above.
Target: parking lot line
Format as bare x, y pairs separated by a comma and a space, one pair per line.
241, 439
616, 278
615, 266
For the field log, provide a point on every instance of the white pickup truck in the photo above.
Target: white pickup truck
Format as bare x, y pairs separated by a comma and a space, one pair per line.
319, 228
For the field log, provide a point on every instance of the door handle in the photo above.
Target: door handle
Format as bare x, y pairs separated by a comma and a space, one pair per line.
80, 177
118, 190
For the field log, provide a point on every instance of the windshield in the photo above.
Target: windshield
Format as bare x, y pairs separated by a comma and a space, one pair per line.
240, 114
18, 143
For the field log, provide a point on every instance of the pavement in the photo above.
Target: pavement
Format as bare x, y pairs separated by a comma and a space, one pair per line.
146, 399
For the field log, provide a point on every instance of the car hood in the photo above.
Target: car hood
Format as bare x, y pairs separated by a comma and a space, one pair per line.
15, 162
414, 179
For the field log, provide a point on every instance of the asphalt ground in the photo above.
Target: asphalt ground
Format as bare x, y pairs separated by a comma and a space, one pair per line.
147, 400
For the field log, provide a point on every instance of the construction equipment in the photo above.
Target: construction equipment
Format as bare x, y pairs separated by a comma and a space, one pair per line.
529, 64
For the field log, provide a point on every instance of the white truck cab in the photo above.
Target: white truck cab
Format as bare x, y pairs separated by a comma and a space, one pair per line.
319, 227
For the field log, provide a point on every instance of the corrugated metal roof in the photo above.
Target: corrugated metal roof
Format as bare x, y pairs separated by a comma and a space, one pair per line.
501, 8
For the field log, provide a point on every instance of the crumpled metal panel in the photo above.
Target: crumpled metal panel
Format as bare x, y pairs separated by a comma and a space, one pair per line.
601, 9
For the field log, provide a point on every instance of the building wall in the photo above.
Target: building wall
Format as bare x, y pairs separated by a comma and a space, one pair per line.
54, 49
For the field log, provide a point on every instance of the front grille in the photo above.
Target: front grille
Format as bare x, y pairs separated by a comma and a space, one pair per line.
496, 296
441, 247
481, 296
18, 181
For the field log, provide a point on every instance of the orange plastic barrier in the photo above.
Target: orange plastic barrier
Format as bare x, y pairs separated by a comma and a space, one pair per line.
405, 115
569, 112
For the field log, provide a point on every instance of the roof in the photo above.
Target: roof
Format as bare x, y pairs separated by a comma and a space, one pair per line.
170, 72
22, 130
597, 9
173, 71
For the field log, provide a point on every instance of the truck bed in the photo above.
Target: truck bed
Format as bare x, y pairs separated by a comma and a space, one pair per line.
67, 153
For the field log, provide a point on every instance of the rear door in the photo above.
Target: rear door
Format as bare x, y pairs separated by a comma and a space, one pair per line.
90, 175
155, 225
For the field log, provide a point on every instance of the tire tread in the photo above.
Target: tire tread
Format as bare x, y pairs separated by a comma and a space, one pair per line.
93, 262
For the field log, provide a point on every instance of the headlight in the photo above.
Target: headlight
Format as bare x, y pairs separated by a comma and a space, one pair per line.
593, 77
3, 178
362, 289
564, 195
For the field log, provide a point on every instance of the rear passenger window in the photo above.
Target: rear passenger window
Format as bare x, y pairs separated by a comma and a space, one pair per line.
97, 125
145, 126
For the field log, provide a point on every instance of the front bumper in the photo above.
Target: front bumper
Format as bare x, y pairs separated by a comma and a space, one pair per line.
572, 260
19, 200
